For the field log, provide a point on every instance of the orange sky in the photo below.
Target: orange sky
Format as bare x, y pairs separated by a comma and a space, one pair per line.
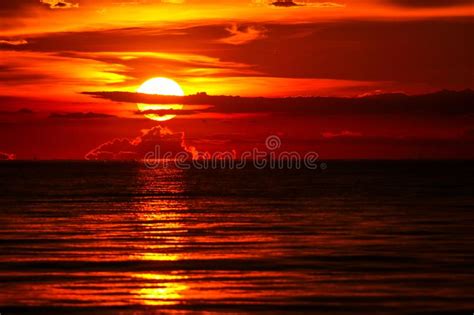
52, 50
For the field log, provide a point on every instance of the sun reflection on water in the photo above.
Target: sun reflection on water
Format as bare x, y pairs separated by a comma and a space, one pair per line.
161, 221
160, 289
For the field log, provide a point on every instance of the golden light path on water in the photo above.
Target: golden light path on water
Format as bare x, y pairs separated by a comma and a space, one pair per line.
150, 241
166, 291
160, 219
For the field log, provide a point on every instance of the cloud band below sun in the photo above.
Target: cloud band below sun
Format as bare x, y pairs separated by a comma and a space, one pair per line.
385, 104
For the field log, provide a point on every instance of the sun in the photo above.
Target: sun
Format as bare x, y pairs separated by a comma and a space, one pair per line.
160, 86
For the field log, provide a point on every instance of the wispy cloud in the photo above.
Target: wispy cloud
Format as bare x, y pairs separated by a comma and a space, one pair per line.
60, 4
343, 133
80, 115
240, 35
327, 4
13, 42
32, 73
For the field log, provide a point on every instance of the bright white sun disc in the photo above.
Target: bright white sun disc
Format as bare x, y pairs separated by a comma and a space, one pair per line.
160, 86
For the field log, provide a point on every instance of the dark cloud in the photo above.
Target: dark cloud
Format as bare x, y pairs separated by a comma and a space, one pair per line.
14, 73
13, 5
22, 111
28, 105
469, 133
13, 115
58, 4
144, 146
430, 3
16, 6
315, 3
442, 104
25, 111
466, 145
284, 3
181, 112
79, 115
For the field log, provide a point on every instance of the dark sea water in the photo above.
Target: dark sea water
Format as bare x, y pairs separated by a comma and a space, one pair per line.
118, 238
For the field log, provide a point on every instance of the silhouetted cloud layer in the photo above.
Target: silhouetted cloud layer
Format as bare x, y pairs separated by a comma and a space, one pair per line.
284, 3
89, 115
23, 111
430, 3
444, 103
15, 6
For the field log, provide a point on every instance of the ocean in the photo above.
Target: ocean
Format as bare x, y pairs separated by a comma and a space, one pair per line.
361, 237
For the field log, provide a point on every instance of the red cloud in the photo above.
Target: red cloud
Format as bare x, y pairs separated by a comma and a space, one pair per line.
157, 140
343, 133
7, 156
